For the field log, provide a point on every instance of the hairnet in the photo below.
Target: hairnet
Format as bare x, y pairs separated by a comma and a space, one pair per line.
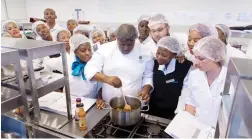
111, 31
212, 48
76, 40
143, 17
225, 29
157, 19
95, 31
34, 28
204, 29
126, 31
169, 43
56, 33
72, 20
5, 23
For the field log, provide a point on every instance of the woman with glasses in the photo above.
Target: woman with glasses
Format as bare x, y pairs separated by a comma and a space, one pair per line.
121, 64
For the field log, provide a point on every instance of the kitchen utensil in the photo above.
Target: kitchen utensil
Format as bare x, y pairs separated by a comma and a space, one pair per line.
126, 106
125, 118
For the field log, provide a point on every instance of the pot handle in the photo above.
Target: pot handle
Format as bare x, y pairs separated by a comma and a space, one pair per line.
142, 110
106, 108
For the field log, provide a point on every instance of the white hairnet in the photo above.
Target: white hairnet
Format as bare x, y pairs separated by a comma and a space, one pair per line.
5, 23
83, 28
204, 29
56, 33
157, 19
212, 48
97, 30
169, 43
76, 40
72, 20
225, 29
111, 31
34, 28
144, 17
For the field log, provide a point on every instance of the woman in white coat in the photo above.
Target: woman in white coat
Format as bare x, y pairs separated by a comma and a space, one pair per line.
42, 31
80, 53
122, 63
11, 29
206, 83
224, 35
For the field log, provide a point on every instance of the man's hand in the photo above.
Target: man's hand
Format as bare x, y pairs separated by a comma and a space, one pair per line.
99, 104
113, 81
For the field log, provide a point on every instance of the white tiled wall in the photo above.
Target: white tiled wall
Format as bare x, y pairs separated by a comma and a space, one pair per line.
121, 11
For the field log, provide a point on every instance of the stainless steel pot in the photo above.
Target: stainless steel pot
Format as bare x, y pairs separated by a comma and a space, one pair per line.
122, 118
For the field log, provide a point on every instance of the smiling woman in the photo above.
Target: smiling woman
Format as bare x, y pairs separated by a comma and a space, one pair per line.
11, 29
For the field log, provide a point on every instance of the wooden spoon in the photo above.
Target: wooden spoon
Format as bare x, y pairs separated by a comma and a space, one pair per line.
127, 107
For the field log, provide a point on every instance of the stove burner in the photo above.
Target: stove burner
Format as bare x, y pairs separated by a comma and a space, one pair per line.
154, 129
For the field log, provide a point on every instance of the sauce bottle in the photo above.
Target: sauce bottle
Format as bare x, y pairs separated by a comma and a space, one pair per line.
82, 118
78, 102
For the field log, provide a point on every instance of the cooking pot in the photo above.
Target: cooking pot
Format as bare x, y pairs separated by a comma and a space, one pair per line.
123, 118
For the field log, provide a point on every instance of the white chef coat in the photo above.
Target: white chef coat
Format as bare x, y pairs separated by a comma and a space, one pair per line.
78, 86
147, 40
206, 99
233, 52
56, 27
151, 45
134, 69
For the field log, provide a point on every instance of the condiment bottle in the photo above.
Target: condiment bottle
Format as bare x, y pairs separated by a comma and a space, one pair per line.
82, 118
78, 102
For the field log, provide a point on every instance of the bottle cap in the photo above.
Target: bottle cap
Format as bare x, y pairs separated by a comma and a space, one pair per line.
78, 100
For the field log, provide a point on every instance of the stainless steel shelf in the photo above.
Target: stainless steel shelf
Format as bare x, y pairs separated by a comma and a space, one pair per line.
57, 81
34, 49
10, 99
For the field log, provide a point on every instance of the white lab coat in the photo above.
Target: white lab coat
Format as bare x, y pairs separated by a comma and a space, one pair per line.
249, 51
134, 69
233, 52
78, 86
56, 27
206, 99
147, 40
151, 45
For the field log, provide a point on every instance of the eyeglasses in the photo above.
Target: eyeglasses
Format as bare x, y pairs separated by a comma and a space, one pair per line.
159, 30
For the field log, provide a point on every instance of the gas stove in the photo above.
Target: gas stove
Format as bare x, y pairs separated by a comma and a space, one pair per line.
148, 127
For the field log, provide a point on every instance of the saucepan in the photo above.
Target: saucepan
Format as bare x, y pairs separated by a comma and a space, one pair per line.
126, 118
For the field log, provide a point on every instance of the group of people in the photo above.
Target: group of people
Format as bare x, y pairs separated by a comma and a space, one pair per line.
169, 72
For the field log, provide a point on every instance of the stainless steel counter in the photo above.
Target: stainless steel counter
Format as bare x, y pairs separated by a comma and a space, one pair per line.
94, 115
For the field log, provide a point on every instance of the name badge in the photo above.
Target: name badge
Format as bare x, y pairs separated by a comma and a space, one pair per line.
171, 81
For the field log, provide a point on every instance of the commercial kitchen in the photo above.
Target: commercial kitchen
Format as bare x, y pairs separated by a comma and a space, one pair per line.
86, 72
